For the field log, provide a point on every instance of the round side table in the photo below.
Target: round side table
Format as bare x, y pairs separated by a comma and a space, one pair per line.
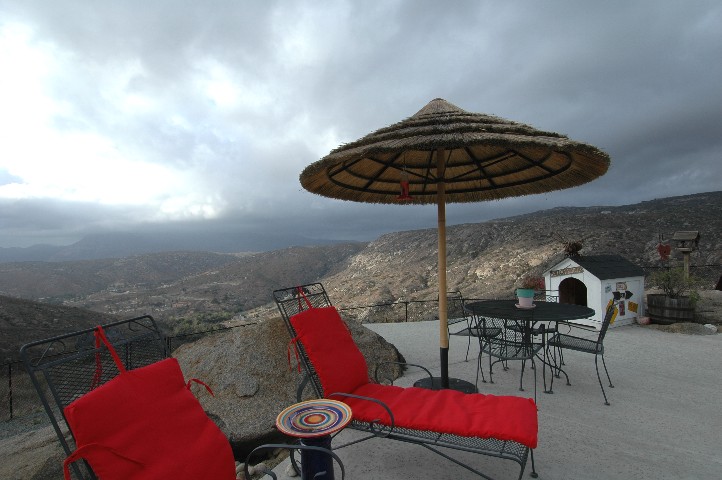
313, 422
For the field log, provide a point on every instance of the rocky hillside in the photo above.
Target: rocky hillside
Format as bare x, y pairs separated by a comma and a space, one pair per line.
189, 290
184, 291
23, 321
486, 259
55, 281
173, 283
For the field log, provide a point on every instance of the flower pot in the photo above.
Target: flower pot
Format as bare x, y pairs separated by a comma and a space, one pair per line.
525, 297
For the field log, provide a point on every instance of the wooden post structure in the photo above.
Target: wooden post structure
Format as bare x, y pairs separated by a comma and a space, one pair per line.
443, 319
687, 242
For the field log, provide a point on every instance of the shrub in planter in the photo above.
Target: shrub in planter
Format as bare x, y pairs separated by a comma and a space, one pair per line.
677, 302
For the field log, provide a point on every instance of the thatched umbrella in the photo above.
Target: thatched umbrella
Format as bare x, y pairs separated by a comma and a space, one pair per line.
443, 154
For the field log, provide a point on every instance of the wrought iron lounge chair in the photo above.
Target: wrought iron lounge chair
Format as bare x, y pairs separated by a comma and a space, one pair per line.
335, 368
66, 367
595, 346
60, 367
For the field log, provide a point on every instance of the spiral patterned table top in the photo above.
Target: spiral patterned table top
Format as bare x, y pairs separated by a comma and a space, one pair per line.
313, 418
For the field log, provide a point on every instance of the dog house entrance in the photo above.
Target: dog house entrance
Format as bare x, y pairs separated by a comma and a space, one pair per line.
572, 290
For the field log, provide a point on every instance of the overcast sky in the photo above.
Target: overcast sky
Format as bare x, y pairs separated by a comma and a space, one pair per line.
128, 115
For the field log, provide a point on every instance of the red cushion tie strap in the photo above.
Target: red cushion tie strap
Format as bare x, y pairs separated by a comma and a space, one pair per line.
188, 385
100, 337
97, 375
302, 294
293, 343
81, 452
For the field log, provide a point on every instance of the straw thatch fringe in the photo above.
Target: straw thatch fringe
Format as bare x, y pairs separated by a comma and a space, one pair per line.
485, 158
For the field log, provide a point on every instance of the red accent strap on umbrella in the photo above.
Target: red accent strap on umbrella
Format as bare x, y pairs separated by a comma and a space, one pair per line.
188, 385
100, 337
404, 196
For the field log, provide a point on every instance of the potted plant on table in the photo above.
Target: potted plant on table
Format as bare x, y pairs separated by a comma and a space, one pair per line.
528, 287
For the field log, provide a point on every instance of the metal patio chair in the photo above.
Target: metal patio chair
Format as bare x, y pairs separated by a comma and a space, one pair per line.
59, 368
457, 314
595, 346
515, 343
484, 329
296, 306
65, 367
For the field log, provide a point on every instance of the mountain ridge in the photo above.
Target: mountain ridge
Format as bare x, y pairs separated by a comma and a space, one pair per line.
484, 260
102, 246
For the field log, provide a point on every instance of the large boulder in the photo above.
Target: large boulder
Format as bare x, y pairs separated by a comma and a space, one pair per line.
709, 307
252, 378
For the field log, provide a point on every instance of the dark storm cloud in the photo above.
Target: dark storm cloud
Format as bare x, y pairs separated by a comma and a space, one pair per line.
639, 80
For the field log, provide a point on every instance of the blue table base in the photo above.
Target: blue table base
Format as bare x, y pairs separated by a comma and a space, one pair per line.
314, 462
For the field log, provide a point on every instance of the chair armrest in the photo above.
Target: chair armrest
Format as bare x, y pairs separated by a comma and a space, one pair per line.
377, 402
571, 325
302, 386
273, 446
403, 364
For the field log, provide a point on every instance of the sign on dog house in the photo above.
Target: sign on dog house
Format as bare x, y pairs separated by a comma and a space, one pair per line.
594, 280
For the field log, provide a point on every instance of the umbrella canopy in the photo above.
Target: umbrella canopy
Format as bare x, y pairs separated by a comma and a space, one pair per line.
444, 154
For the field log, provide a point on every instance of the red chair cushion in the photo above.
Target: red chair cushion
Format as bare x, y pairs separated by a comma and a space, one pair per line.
342, 368
146, 424
449, 411
338, 362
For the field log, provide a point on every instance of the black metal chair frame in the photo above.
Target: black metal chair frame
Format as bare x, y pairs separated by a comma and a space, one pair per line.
62, 369
291, 448
290, 302
561, 341
515, 343
457, 314
481, 329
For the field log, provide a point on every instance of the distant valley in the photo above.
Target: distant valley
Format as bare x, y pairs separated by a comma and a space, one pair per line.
191, 290
121, 245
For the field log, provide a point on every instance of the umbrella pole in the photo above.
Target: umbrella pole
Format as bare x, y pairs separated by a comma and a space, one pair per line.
443, 312
444, 381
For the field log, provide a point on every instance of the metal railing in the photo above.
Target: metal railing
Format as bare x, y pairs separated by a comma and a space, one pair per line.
708, 276
17, 396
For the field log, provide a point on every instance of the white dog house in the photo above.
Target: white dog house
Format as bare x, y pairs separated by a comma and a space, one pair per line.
594, 280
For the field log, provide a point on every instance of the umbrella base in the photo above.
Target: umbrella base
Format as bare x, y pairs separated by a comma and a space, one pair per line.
454, 384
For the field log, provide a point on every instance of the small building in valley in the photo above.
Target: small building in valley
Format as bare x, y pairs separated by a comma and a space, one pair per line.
594, 280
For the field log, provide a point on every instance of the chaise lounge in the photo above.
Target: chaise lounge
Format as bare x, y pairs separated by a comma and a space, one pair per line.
112, 390
496, 426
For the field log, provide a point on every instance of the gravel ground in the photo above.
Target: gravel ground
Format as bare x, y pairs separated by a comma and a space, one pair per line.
26, 423
30, 450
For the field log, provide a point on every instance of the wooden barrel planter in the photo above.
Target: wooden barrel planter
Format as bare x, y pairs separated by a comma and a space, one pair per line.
665, 310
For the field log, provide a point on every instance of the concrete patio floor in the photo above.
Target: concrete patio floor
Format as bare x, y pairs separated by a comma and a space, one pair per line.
664, 422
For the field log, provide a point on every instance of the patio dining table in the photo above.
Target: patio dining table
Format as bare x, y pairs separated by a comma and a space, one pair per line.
544, 313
